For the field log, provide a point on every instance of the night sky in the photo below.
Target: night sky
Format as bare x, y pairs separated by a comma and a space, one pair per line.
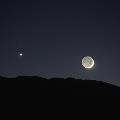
54, 36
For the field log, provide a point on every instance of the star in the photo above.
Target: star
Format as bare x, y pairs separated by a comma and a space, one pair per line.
20, 54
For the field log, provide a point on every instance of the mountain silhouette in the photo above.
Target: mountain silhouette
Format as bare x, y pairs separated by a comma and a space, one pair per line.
57, 95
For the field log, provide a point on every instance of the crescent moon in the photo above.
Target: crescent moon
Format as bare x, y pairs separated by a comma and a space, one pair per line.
88, 62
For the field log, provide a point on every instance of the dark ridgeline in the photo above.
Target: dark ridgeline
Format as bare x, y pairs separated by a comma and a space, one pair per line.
57, 95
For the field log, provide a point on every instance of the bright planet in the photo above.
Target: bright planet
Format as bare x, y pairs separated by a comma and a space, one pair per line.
88, 62
20, 54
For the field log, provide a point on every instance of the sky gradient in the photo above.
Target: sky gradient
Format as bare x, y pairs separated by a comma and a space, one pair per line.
55, 35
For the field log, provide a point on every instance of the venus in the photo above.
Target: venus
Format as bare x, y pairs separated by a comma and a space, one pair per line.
21, 54
88, 62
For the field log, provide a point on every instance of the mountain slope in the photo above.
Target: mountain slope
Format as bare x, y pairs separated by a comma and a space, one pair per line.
57, 95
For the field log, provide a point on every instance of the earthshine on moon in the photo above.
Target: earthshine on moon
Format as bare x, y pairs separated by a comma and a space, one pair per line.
88, 62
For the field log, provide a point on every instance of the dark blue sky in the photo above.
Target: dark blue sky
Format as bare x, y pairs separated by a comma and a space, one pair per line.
55, 35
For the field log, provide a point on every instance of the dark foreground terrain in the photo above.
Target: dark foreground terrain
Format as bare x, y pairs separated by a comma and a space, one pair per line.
39, 98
